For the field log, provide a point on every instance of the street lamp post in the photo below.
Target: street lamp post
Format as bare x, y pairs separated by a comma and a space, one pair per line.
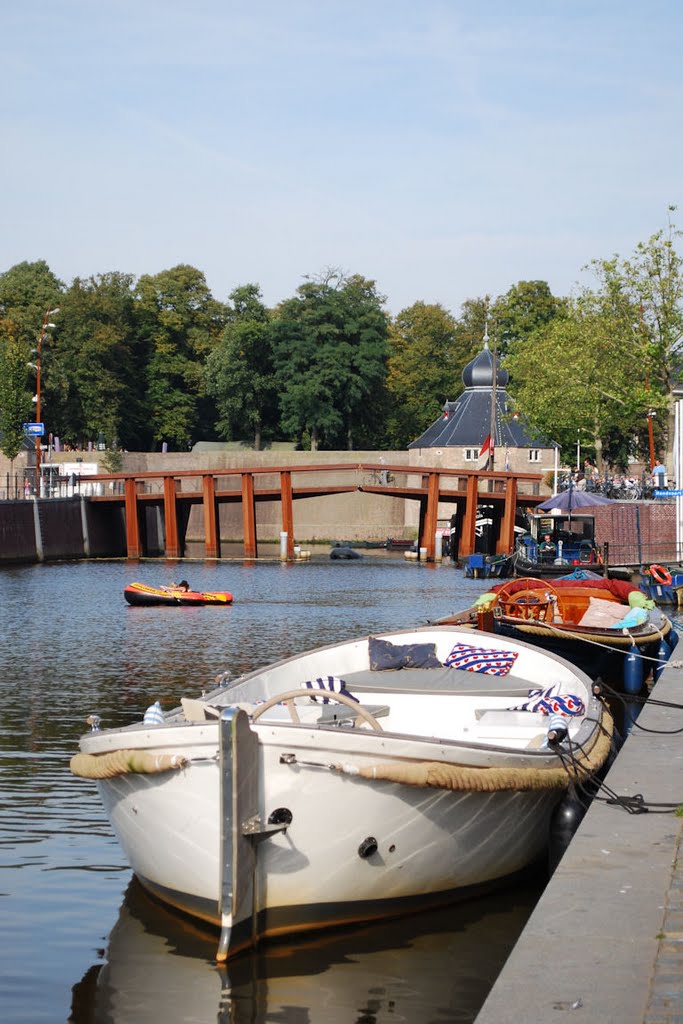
43, 335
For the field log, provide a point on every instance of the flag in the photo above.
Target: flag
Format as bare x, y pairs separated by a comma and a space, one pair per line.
487, 445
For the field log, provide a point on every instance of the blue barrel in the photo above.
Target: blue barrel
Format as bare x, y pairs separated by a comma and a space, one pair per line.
663, 655
672, 639
633, 670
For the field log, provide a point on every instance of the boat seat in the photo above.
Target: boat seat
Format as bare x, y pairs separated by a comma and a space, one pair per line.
321, 714
435, 680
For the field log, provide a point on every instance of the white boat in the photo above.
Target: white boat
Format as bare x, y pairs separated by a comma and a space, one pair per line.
329, 788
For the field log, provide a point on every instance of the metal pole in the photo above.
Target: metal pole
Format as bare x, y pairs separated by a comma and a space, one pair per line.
38, 420
492, 444
41, 339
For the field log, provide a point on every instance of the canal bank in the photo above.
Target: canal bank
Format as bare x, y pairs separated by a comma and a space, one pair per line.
605, 941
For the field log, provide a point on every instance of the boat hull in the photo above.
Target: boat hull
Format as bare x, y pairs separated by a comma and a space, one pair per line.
431, 845
141, 596
265, 817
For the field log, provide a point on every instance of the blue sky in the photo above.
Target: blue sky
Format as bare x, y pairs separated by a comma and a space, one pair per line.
445, 149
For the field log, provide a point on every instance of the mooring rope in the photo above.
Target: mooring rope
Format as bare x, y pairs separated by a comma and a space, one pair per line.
438, 775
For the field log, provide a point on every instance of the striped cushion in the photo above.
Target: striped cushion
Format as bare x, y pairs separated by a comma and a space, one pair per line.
330, 683
481, 659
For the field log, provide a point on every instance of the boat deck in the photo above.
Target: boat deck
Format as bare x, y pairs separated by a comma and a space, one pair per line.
606, 938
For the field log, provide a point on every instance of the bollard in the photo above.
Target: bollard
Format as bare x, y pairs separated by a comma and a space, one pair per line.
283, 545
423, 554
438, 546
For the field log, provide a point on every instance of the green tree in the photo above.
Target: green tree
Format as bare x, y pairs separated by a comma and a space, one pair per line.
425, 367
526, 307
330, 349
578, 373
15, 398
644, 294
94, 369
27, 291
181, 323
240, 372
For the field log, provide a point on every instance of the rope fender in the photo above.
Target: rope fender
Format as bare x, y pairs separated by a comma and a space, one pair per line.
437, 775
124, 762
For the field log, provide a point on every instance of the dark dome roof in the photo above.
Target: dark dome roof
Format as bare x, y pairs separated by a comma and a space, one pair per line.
479, 372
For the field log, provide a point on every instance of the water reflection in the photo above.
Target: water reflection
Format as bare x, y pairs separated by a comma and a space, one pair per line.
436, 966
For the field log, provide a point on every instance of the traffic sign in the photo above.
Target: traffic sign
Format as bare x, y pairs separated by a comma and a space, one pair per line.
34, 429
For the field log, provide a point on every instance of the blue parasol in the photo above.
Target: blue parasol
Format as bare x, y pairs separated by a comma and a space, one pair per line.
571, 499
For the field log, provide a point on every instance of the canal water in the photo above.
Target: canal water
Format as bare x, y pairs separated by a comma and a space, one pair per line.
79, 940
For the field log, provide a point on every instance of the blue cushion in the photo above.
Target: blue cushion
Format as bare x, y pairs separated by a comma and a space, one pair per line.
385, 656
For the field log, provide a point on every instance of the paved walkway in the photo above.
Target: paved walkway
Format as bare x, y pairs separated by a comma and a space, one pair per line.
605, 941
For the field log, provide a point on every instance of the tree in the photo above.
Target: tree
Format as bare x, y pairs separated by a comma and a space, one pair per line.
180, 322
15, 398
526, 307
240, 372
330, 350
645, 295
94, 379
578, 372
425, 368
27, 291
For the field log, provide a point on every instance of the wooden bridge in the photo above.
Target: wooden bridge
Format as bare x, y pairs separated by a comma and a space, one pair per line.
177, 491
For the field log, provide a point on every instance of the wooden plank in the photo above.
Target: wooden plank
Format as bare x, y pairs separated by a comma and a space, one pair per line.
287, 510
133, 547
249, 516
211, 534
428, 537
506, 540
171, 518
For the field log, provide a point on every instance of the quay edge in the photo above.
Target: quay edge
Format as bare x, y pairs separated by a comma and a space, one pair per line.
605, 941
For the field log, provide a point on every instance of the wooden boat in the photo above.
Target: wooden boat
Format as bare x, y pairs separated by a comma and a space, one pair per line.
352, 782
140, 595
589, 621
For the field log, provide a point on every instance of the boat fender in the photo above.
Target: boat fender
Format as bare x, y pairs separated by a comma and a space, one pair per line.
633, 670
565, 820
663, 655
660, 575
154, 715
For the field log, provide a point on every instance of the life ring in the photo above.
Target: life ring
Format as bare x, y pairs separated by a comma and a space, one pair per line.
660, 575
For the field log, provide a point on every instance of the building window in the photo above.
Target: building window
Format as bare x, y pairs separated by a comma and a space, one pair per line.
471, 454
534, 455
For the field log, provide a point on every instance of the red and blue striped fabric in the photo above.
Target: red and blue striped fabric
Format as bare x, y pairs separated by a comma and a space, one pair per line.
481, 659
550, 702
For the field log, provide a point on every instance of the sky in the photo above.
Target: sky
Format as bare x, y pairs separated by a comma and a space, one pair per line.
444, 149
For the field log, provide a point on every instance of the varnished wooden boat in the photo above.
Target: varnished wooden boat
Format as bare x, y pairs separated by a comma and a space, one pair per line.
587, 621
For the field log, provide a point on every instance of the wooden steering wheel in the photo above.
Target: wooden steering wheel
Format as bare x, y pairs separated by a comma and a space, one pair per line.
530, 586
535, 601
289, 696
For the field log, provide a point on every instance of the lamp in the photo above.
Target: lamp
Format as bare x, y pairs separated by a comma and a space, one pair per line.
47, 324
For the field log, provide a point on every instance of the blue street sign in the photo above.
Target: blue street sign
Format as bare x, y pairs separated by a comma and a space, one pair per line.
34, 429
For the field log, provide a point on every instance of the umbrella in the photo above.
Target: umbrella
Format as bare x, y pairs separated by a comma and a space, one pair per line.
571, 499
